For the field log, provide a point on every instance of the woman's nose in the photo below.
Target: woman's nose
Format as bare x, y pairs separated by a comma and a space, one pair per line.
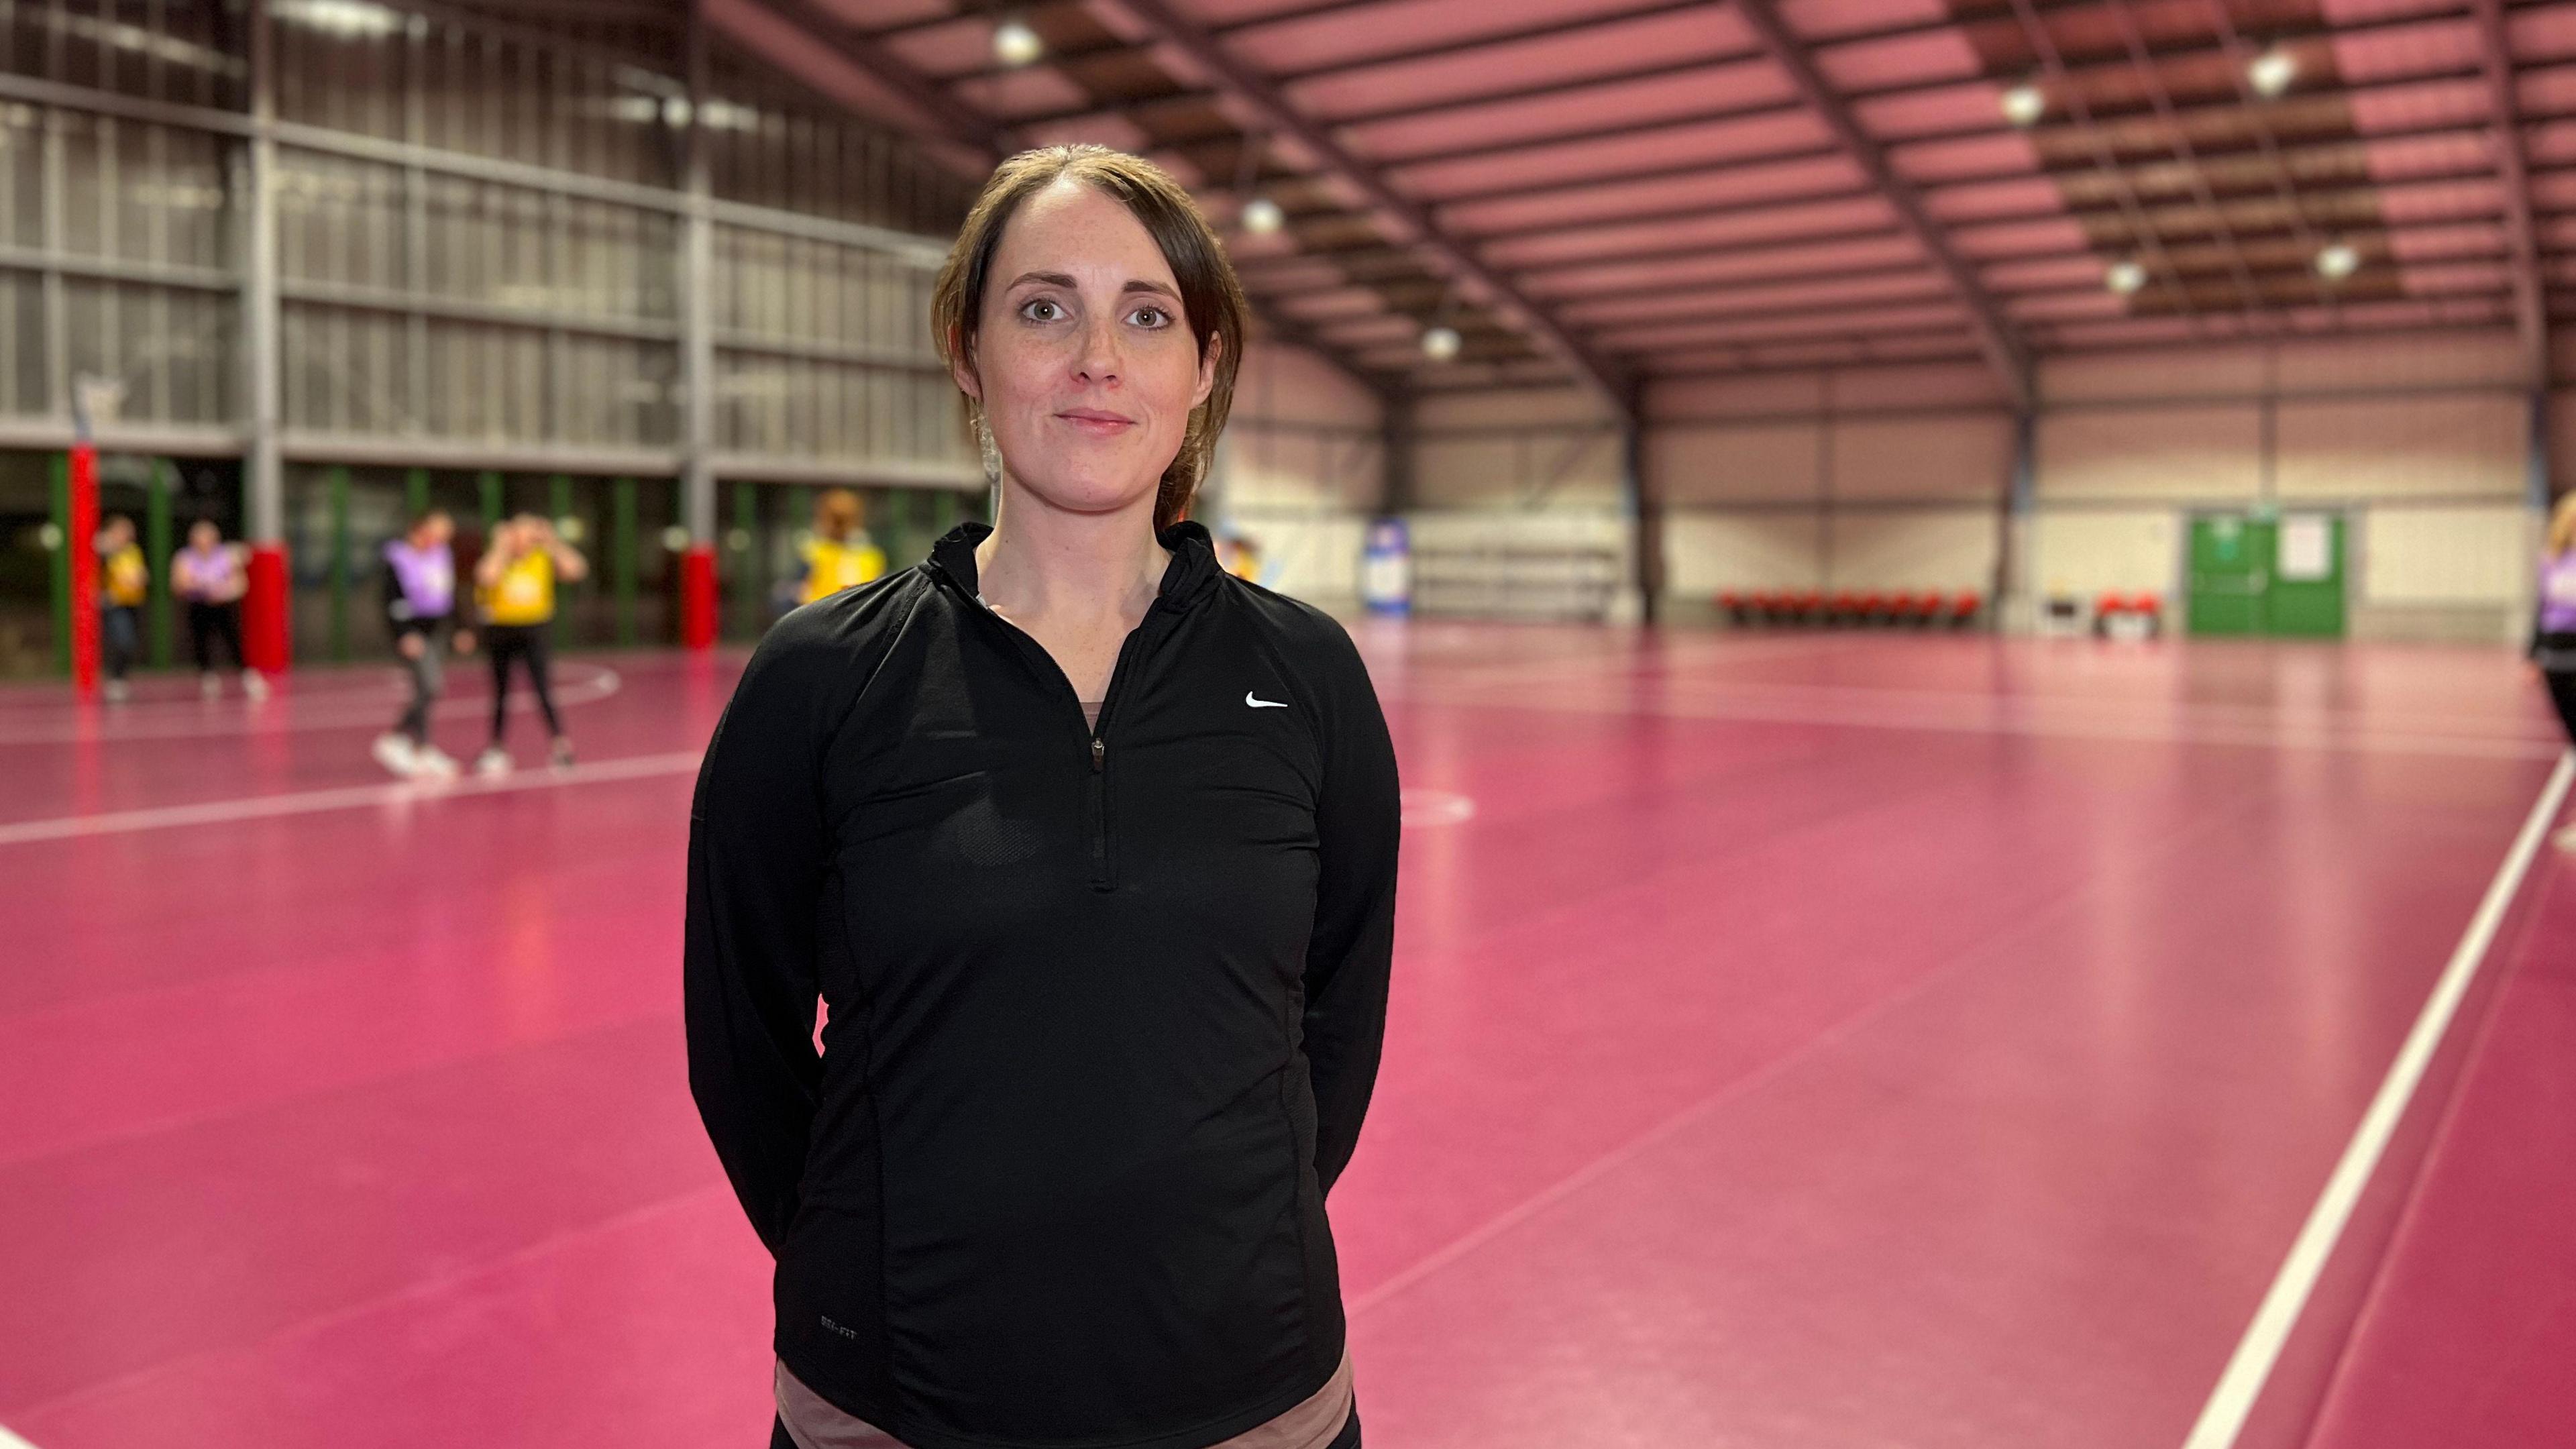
1098, 361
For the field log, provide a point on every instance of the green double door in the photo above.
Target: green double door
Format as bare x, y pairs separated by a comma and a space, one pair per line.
2279, 575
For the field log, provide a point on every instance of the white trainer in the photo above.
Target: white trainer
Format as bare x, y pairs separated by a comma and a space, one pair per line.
208, 686
395, 753
435, 763
2565, 839
493, 763
254, 685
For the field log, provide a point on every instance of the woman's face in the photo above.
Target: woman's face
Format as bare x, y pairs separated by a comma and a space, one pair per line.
202, 535
1085, 365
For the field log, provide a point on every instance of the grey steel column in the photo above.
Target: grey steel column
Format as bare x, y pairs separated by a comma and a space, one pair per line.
264, 486
2016, 584
1645, 512
2536, 452
697, 270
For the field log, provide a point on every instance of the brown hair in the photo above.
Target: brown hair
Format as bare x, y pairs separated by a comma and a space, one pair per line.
1211, 296
2562, 527
836, 513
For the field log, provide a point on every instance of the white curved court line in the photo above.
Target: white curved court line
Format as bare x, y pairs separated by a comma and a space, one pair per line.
241, 718
12, 1441
347, 797
2250, 1367
1681, 705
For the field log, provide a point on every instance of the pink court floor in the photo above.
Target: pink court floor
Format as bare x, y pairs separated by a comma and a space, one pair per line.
1798, 1040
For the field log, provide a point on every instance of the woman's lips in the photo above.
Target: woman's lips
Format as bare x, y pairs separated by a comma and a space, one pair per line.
1096, 423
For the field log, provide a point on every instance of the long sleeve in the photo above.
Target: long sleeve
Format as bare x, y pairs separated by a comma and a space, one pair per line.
758, 849
1350, 953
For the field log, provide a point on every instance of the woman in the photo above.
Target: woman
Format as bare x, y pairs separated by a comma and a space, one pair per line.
840, 555
2555, 646
211, 576
124, 586
420, 609
516, 577
1089, 850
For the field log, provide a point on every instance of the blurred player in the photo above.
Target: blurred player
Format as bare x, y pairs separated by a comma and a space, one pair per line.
840, 555
2555, 644
420, 607
212, 575
124, 581
516, 579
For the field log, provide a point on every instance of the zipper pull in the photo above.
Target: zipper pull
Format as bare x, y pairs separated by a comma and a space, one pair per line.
1098, 749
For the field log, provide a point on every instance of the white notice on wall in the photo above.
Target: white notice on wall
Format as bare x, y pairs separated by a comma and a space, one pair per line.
2307, 547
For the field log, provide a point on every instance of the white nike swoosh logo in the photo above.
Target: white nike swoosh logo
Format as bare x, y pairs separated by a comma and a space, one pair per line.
1262, 703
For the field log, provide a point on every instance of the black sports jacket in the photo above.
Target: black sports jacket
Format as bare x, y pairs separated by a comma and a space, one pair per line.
1104, 1004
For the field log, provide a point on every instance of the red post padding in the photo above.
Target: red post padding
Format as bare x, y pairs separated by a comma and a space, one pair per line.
267, 641
698, 596
83, 547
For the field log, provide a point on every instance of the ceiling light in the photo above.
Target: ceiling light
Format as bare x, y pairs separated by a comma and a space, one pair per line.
2024, 104
352, 18
1262, 216
1441, 343
2272, 71
2337, 260
1014, 43
2124, 277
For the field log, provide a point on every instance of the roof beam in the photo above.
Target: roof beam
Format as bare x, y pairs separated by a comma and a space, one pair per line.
2001, 349
1251, 89
990, 140
2513, 172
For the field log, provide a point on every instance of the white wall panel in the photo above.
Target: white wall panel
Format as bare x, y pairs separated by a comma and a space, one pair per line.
1709, 550
1922, 457
2401, 447
1734, 464
1913, 548
2171, 453
2447, 555
2084, 551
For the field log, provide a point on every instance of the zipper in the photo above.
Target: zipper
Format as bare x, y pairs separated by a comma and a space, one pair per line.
1104, 860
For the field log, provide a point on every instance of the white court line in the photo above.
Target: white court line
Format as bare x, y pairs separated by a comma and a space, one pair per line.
2223, 1417
347, 797
331, 710
12, 1441
1986, 723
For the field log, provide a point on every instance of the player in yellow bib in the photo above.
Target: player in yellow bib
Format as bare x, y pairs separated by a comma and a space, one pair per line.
124, 582
840, 555
515, 582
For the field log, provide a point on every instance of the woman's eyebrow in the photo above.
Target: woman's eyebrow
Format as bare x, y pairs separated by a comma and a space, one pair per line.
1061, 279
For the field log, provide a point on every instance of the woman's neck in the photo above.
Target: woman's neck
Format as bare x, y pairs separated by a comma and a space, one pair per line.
1042, 562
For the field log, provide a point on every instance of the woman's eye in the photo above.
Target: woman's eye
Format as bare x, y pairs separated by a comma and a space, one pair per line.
1041, 310
1150, 316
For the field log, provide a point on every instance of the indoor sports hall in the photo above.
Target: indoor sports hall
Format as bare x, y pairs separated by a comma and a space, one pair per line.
1969, 598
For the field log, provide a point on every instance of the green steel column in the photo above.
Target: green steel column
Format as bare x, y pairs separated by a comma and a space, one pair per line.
159, 621
335, 483
559, 506
739, 570
621, 555
60, 511
494, 504
415, 493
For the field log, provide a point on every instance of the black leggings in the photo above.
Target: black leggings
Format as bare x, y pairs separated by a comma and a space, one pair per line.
2562, 692
505, 642
208, 623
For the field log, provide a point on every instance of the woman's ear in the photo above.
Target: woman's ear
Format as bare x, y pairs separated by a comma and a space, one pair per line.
962, 371
1207, 367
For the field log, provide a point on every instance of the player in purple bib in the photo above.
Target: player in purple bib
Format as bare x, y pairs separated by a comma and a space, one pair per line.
2554, 636
420, 608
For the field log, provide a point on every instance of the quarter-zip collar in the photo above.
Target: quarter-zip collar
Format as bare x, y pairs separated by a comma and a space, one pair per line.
1186, 579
